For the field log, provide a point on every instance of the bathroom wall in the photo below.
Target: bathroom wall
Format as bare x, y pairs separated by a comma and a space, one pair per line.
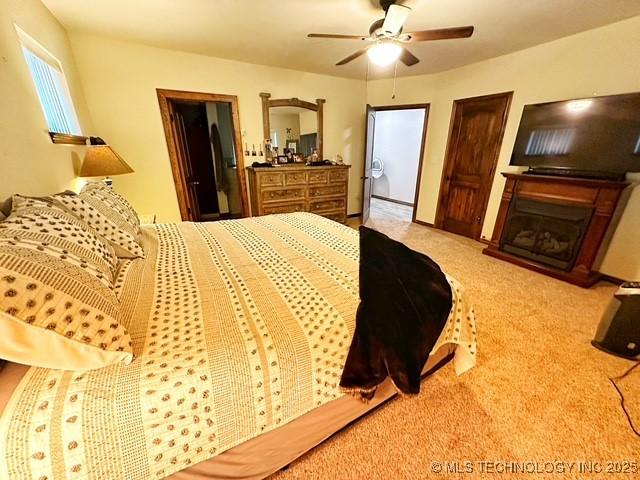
397, 141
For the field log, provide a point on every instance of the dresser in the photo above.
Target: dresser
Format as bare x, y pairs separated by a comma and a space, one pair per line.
300, 188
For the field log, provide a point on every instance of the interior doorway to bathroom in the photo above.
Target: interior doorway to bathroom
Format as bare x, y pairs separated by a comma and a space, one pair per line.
395, 147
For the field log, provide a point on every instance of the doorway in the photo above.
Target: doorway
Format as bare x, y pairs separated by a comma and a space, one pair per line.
203, 138
475, 137
395, 142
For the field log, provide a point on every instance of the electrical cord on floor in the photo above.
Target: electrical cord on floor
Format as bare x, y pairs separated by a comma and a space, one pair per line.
624, 409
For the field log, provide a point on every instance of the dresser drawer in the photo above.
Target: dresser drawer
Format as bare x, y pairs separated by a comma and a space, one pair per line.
290, 207
271, 179
281, 194
319, 176
295, 178
327, 191
337, 175
330, 204
336, 217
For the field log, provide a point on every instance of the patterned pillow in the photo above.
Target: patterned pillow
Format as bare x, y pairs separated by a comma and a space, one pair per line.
107, 194
114, 227
58, 308
43, 220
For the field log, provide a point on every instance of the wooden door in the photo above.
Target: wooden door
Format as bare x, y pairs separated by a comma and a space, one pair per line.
201, 174
182, 150
368, 162
475, 137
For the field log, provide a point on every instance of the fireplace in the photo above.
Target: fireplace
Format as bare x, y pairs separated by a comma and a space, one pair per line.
557, 226
547, 233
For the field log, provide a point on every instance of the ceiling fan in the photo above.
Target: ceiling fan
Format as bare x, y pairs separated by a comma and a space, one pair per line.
386, 37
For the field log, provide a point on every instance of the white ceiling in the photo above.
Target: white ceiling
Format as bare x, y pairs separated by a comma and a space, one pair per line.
273, 32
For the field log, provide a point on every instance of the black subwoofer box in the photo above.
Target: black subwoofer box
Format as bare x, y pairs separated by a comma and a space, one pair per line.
619, 329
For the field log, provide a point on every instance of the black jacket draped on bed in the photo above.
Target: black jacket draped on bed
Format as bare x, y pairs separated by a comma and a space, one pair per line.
405, 300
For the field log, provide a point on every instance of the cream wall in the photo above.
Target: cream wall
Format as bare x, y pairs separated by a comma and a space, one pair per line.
120, 81
601, 61
29, 162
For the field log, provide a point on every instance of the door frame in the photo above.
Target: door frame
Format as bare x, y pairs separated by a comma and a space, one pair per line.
368, 135
408, 106
448, 164
166, 96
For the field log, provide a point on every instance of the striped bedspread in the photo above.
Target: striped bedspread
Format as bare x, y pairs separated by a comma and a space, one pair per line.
238, 327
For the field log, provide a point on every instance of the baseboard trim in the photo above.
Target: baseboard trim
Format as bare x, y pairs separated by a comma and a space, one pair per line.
424, 224
392, 200
612, 279
353, 215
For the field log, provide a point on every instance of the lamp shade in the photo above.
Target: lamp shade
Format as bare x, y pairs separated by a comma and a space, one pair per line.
103, 160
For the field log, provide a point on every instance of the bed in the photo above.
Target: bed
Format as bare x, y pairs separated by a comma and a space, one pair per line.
240, 330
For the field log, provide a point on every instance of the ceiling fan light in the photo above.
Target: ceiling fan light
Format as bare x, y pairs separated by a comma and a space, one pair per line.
384, 53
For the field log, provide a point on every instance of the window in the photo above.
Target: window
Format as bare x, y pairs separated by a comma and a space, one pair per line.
51, 86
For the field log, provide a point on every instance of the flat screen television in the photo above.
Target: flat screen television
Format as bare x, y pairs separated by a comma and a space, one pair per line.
597, 136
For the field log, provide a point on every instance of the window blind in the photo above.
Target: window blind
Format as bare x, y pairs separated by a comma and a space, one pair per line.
53, 94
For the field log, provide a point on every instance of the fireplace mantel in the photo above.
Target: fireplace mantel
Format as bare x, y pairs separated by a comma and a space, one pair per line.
600, 195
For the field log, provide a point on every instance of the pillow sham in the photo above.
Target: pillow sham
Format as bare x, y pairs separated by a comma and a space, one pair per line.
58, 308
107, 194
114, 227
42, 219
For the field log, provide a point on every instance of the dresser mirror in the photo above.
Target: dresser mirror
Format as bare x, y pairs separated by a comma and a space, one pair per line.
292, 126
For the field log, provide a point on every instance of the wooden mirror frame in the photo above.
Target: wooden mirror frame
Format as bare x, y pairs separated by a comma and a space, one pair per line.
267, 103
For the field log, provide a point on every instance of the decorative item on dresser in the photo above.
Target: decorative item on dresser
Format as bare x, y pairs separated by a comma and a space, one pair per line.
322, 190
555, 225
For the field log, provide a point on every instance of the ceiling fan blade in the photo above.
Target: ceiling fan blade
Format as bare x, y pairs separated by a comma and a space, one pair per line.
395, 18
440, 34
408, 58
353, 56
338, 36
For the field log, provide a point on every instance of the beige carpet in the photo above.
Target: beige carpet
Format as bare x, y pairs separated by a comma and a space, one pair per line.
540, 392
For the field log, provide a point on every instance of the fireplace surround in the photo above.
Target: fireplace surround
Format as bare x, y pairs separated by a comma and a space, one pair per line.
555, 225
